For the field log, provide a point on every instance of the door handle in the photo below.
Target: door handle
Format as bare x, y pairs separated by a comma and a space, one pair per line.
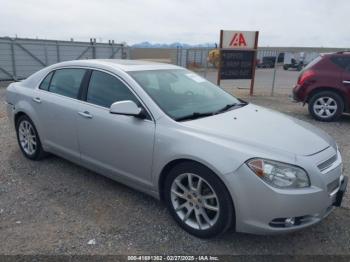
85, 114
346, 82
37, 99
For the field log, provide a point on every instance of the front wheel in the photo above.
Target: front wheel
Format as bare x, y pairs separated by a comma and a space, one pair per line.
326, 106
198, 200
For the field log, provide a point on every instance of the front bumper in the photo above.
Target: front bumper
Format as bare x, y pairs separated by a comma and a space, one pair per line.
260, 208
342, 189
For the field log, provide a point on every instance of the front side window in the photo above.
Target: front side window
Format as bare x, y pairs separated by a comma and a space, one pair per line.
181, 93
105, 89
67, 82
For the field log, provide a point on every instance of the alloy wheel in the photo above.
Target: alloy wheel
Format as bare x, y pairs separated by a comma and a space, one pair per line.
27, 137
325, 107
194, 201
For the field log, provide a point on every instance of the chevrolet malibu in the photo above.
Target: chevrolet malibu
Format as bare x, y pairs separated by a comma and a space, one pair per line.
215, 160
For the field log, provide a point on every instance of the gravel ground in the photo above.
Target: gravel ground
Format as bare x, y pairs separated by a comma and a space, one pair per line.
56, 207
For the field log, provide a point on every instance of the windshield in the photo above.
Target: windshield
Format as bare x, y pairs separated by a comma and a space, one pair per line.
181, 94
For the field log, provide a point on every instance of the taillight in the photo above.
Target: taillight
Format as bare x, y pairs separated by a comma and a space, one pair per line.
305, 76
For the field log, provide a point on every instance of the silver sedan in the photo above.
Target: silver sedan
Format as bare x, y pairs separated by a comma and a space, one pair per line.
215, 160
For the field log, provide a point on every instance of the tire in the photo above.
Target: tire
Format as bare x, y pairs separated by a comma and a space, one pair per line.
210, 208
285, 67
28, 135
326, 106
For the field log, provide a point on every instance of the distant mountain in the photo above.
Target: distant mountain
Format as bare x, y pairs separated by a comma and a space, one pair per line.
147, 44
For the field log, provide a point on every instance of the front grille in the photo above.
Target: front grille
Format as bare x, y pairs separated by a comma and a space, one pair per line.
333, 186
324, 165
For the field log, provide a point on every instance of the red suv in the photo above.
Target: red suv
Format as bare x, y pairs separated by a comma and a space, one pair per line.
325, 85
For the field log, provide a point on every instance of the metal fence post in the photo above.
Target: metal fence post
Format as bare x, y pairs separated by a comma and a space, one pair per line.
14, 71
206, 64
123, 54
46, 55
194, 58
274, 74
112, 49
58, 52
186, 58
177, 55
180, 56
93, 43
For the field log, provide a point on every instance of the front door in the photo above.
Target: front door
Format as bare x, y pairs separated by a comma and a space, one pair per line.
117, 145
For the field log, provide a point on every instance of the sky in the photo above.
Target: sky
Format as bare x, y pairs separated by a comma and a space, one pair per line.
316, 23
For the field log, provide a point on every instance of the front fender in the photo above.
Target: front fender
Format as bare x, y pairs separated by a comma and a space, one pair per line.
168, 147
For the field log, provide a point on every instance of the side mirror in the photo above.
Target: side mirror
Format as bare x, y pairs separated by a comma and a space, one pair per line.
126, 107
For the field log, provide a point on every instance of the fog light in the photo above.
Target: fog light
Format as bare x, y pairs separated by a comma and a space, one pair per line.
289, 222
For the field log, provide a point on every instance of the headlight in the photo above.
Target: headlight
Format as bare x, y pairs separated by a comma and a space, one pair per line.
279, 174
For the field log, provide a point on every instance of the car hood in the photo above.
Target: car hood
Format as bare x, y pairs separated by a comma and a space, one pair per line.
264, 128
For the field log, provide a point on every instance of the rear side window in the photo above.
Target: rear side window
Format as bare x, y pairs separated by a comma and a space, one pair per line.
312, 63
105, 89
341, 61
67, 82
46, 82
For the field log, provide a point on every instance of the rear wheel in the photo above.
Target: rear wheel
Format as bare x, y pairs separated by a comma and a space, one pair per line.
28, 139
326, 106
198, 200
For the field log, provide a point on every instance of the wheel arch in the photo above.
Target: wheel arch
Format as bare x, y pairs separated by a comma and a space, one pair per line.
21, 112
24, 107
18, 115
166, 169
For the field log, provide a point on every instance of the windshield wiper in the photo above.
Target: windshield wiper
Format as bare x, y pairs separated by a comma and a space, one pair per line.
194, 115
229, 106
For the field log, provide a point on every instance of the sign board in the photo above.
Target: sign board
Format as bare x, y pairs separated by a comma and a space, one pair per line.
238, 39
236, 64
238, 55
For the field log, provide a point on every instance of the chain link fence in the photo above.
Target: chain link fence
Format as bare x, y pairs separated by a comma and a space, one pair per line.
277, 68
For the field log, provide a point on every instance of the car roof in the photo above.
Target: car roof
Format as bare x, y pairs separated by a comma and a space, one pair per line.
340, 53
121, 64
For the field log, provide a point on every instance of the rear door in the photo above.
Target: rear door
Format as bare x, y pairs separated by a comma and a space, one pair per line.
345, 78
342, 61
343, 64
56, 103
346, 73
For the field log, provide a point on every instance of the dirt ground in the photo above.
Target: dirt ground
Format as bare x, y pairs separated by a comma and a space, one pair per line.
56, 207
